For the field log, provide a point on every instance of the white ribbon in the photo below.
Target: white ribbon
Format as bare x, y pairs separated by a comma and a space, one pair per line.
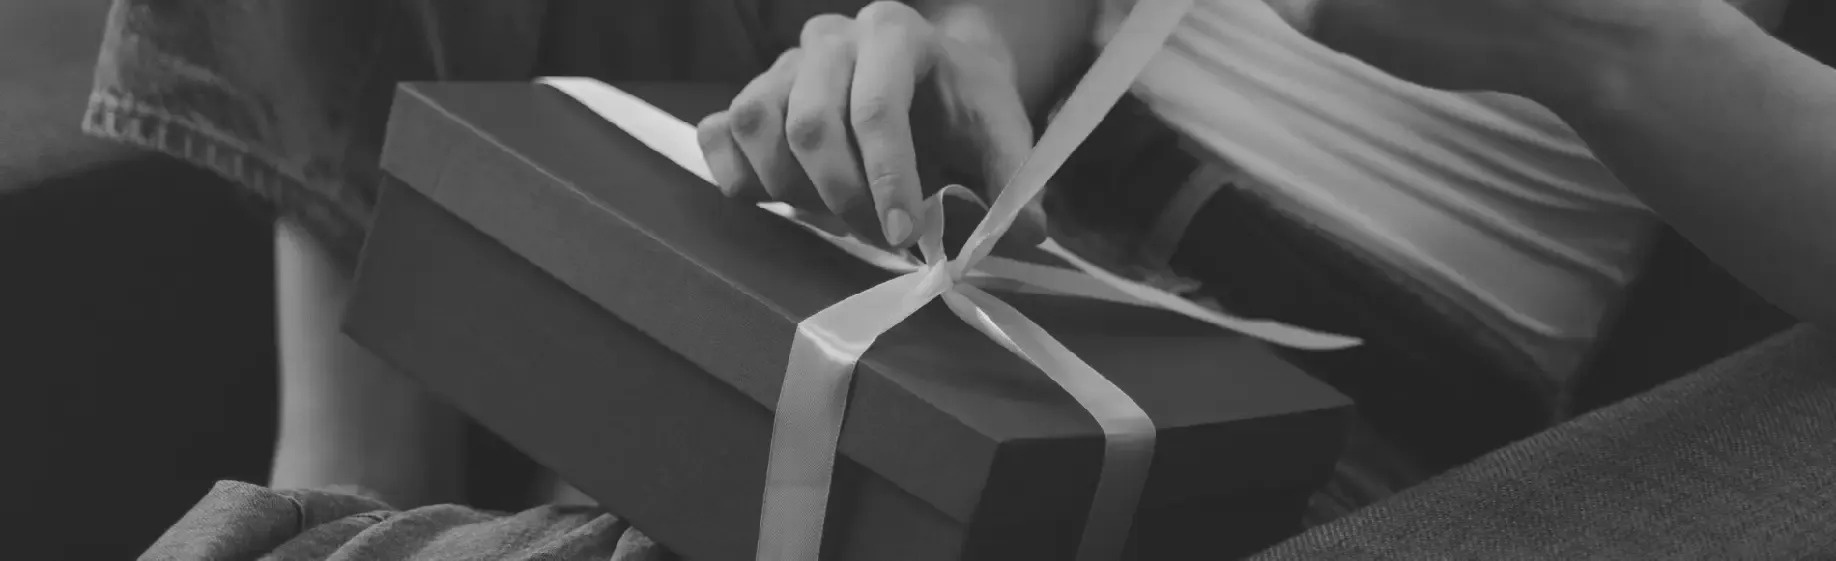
813, 400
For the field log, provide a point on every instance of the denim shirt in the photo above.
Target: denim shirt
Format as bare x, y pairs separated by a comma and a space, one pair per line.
290, 98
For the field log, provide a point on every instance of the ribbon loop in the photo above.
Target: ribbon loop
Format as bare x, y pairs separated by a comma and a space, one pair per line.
1140, 36
813, 399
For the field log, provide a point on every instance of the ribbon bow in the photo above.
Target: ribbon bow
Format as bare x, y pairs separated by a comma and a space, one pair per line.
813, 399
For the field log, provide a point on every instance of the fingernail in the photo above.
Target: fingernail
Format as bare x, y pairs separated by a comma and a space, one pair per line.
720, 166
898, 226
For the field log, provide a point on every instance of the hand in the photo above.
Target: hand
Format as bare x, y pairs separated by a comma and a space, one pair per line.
863, 111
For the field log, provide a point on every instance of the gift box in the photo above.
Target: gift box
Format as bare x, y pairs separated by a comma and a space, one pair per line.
617, 319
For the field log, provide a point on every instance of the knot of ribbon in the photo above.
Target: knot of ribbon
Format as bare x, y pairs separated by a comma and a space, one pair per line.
812, 401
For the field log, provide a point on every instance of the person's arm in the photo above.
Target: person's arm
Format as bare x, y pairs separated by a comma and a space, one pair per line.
1729, 134
1046, 41
347, 418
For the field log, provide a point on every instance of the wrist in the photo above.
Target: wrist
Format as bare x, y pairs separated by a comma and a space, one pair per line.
972, 26
1037, 43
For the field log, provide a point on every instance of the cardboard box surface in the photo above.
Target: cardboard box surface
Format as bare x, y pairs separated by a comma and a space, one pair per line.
627, 326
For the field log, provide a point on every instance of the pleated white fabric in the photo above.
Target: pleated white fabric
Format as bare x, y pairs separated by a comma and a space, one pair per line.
1489, 200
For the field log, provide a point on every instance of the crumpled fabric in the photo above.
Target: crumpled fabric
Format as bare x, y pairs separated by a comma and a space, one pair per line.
242, 522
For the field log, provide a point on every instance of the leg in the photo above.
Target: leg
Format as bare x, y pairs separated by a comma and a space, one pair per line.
346, 417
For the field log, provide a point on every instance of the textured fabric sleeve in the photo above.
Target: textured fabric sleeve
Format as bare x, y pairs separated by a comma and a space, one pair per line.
1731, 462
238, 522
290, 97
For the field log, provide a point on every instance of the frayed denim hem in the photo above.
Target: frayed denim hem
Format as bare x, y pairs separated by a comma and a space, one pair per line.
120, 118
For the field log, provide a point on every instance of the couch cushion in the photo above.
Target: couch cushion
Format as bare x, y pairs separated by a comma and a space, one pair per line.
1732, 462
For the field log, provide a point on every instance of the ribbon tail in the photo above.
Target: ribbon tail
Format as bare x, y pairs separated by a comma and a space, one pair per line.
1000, 273
1093, 282
1141, 36
812, 404
1128, 433
659, 130
1169, 228
1273, 332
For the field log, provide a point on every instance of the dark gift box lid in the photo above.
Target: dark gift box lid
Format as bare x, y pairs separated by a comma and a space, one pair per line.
937, 408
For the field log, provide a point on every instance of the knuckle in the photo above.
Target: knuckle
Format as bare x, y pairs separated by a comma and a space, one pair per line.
871, 115
712, 128
889, 13
883, 182
806, 132
748, 117
823, 25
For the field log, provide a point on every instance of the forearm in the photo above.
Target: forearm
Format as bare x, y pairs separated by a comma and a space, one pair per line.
347, 417
1045, 41
1730, 136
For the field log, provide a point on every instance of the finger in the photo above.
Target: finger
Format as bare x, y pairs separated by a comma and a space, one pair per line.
1008, 142
1030, 227
1004, 134
732, 173
757, 122
823, 26
963, 216
893, 52
816, 126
